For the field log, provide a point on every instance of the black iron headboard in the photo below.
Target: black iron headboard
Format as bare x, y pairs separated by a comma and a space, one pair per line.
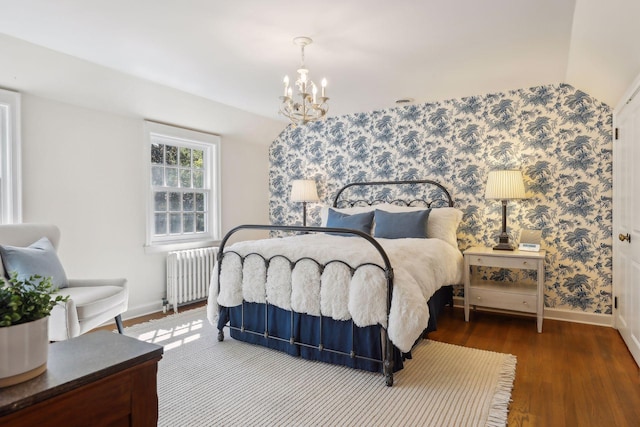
426, 192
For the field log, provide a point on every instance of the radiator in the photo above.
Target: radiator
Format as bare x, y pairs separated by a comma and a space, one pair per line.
188, 275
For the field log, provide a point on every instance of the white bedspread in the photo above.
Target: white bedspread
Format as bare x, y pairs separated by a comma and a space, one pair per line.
421, 267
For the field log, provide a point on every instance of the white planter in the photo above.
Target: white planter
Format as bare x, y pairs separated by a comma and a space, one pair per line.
23, 351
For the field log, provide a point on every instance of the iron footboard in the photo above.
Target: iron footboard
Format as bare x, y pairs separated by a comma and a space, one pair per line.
387, 352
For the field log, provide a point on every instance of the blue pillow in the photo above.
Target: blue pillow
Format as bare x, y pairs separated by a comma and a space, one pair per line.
38, 258
361, 222
400, 225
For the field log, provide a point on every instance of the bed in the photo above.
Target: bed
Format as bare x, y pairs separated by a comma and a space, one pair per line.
359, 291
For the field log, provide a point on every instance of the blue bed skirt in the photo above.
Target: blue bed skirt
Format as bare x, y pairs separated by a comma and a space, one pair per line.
332, 334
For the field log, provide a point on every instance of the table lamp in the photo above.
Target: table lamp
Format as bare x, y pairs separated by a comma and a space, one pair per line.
304, 190
505, 185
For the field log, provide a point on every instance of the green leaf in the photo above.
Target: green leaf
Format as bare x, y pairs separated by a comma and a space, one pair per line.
23, 301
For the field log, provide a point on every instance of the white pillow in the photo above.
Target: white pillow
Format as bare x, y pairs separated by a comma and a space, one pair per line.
442, 223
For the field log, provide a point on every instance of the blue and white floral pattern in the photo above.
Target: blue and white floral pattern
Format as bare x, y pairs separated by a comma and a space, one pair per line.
557, 135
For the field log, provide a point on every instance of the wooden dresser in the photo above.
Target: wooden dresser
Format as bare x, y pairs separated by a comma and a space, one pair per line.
98, 379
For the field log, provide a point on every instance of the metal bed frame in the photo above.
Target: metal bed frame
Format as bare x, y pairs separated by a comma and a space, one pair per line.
388, 353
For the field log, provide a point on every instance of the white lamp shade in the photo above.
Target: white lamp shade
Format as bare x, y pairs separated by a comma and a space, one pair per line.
505, 185
304, 190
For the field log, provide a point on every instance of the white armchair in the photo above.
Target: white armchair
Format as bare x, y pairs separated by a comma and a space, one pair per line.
91, 302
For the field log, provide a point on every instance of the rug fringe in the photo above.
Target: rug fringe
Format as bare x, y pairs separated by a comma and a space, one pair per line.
499, 409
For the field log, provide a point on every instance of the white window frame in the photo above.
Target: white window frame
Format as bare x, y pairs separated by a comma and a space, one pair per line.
10, 158
181, 137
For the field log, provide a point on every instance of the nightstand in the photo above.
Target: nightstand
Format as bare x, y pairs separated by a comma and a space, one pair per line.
515, 296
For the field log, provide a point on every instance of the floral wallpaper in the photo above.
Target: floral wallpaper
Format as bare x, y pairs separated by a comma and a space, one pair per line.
559, 137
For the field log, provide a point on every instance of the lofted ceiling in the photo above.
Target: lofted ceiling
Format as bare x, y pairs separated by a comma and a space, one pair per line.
372, 52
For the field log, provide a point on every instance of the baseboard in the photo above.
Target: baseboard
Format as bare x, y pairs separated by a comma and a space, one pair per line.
579, 317
556, 314
142, 310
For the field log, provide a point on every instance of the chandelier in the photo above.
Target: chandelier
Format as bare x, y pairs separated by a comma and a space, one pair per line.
307, 106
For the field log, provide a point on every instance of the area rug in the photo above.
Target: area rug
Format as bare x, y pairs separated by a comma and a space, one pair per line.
203, 382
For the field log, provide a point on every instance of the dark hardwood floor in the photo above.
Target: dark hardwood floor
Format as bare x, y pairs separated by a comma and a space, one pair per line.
571, 374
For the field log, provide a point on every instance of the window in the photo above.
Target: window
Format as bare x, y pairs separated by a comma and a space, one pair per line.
10, 176
183, 206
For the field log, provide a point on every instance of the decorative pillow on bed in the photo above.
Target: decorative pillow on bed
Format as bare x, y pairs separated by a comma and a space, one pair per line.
38, 258
324, 212
442, 224
400, 225
361, 222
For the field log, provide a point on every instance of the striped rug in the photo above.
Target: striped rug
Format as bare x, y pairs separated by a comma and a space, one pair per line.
202, 382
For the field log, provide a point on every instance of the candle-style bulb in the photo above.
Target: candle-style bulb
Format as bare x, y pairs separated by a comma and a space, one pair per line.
324, 85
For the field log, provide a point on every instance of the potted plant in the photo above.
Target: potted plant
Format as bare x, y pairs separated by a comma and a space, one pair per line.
25, 306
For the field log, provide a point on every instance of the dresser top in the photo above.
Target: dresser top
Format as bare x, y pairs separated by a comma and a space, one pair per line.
77, 362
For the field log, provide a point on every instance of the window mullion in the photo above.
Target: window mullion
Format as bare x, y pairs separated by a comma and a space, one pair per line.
183, 212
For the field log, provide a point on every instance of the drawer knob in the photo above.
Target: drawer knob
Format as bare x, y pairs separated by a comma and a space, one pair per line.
525, 303
524, 263
478, 298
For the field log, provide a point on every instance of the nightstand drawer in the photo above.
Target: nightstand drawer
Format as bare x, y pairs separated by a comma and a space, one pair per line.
502, 300
492, 261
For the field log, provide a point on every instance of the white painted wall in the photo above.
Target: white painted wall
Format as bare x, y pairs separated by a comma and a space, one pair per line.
604, 57
83, 161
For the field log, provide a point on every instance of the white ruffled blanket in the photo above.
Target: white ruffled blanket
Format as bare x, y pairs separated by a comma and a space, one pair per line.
421, 267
